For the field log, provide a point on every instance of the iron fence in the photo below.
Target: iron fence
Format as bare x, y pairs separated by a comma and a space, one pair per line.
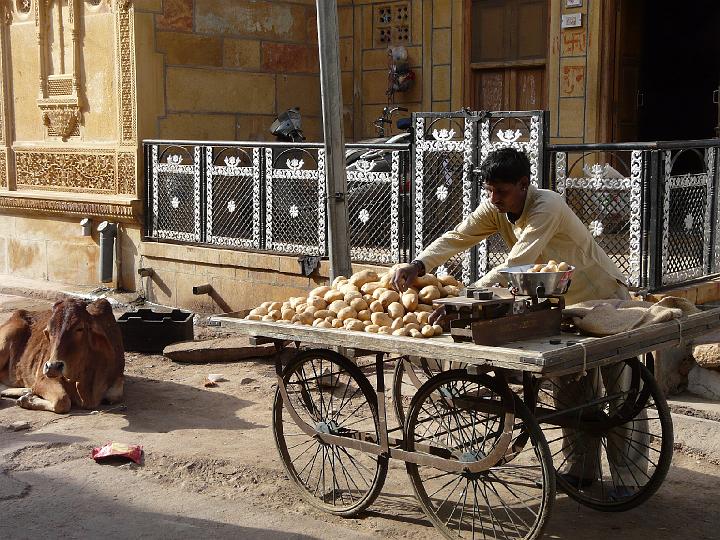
271, 197
653, 207
448, 147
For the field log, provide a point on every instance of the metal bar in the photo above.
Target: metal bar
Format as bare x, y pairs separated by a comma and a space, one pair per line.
654, 229
657, 145
545, 163
147, 217
382, 416
273, 144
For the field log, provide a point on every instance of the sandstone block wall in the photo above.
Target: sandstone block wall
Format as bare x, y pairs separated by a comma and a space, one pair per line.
55, 250
229, 67
240, 280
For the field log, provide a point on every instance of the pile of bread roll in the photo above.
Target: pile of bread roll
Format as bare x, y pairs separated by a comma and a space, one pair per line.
551, 266
365, 302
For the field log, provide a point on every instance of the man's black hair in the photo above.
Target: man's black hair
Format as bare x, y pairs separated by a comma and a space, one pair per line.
504, 165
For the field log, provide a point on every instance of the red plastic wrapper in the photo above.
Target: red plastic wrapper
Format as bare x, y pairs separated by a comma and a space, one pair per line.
133, 452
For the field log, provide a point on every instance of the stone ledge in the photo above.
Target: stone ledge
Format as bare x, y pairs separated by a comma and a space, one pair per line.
216, 256
700, 293
117, 208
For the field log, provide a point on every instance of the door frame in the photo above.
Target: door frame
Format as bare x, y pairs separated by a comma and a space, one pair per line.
608, 65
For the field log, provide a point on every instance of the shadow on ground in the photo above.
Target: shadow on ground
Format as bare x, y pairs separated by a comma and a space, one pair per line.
109, 508
154, 406
678, 510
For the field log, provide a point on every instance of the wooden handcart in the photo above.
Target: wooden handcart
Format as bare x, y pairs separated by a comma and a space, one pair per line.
486, 433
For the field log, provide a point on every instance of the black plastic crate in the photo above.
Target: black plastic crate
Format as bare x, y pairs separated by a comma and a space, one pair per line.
150, 331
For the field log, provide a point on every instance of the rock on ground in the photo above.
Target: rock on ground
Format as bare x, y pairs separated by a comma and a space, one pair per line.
707, 356
704, 383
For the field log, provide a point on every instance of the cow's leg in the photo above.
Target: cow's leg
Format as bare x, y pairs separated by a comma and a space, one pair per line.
14, 392
115, 392
46, 395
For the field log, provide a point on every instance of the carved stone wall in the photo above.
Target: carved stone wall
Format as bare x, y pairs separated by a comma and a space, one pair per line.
73, 124
62, 170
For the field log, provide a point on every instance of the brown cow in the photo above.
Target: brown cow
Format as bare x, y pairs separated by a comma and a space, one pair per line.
70, 355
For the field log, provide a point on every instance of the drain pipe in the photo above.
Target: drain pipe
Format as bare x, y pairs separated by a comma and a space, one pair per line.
108, 232
86, 224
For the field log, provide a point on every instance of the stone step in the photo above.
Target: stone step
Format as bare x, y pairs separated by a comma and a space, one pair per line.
225, 349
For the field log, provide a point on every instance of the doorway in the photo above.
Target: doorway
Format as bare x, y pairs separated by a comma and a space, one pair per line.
508, 54
667, 70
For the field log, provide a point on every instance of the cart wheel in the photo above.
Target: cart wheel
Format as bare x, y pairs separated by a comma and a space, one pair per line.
410, 374
332, 395
610, 435
461, 416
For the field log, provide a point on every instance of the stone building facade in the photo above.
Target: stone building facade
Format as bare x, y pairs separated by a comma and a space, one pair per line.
84, 82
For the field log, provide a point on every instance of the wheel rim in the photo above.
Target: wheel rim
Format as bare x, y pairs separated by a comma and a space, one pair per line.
332, 396
511, 499
610, 435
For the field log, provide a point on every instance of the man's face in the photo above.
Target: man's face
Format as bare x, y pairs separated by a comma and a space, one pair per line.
507, 196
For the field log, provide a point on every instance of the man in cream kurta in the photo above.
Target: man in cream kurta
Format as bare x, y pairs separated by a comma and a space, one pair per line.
546, 229
538, 225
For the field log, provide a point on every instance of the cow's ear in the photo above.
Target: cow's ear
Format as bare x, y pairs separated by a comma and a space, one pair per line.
99, 308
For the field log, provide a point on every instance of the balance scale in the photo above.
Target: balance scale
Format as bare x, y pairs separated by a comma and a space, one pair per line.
495, 316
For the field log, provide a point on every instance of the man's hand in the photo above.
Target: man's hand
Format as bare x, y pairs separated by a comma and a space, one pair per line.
404, 276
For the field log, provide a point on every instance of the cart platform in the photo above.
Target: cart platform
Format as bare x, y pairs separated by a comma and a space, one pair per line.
564, 353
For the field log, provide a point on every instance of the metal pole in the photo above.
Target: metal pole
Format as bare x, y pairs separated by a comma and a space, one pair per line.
332, 104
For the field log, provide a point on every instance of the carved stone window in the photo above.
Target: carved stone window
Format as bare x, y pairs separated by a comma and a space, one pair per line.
59, 100
23, 6
392, 23
95, 5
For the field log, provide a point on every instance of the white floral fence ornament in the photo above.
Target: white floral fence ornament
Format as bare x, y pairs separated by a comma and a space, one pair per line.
689, 221
596, 228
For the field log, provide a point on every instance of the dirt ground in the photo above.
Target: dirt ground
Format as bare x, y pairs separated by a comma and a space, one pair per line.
211, 468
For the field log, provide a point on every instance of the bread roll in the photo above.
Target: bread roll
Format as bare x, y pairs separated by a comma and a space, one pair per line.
410, 301
381, 319
429, 293
333, 295
358, 304
396, 310
320, 291
388, 297
365, 276
347, 313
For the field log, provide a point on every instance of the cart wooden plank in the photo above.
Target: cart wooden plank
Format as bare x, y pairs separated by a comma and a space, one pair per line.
571, 354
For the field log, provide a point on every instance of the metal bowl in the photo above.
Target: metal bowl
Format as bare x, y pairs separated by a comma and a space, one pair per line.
540, 284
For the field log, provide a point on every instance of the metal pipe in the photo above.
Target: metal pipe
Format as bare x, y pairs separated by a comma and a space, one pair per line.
274, 144
202, 289
86, 224
108, 232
